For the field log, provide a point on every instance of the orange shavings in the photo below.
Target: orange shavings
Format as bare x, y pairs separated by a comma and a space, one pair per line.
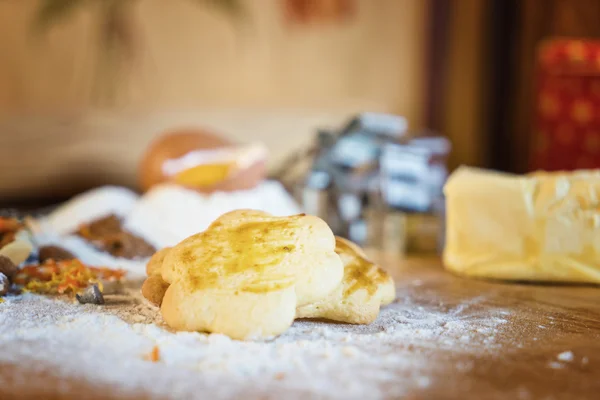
8, 229
280, 376
154, 355
63, 277
9, 224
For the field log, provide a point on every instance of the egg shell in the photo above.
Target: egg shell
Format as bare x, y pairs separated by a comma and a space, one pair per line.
176, 143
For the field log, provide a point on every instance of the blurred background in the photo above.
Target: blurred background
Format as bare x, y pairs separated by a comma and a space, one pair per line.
85, 85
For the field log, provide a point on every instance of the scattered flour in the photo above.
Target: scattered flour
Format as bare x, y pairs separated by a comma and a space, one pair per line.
163, 216
108, 344
555, 365
93, 204
566, 356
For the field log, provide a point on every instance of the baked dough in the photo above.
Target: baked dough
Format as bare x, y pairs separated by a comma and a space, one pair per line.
155, 263
537, 227
247, 273
364, 289
262, 299
154, 286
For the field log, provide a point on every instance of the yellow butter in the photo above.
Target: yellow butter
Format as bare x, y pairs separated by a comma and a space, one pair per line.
537, 227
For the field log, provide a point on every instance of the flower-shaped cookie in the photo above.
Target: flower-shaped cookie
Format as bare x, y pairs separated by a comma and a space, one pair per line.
358, 298
154, 286
247, 273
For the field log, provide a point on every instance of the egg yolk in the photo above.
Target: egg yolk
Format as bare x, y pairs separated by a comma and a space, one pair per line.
204, 175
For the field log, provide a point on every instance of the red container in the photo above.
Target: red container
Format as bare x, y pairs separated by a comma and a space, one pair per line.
567, 106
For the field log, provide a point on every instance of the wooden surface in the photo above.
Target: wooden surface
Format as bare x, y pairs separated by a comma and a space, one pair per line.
542, 322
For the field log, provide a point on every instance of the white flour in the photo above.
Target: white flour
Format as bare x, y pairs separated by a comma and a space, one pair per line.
167, 214
107, 345
88, 206
164, 216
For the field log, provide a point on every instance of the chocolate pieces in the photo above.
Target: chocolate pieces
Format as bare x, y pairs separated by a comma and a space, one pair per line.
55, 253
107, 234
7, 267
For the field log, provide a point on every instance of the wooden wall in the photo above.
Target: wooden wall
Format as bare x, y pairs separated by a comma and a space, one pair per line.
484, 98
456, 100
264, 80
465, 101
193, 57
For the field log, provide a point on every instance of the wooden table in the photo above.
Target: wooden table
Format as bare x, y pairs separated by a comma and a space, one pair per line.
544, 321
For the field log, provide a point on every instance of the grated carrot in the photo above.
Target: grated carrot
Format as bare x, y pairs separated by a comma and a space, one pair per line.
9, 225
154, 355
63, 277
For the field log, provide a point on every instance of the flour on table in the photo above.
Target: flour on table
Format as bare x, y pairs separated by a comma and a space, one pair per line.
563, 358
566, 356
107, 345
555, 365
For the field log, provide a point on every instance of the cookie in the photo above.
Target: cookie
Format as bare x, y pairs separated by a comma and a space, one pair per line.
364, 289
248, 272
155, 262
154, 289
154, 286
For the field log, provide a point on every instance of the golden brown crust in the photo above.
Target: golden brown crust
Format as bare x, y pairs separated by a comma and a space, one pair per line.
245, 275
344, 245
364, 289
155, 262
154, 289
359, 272
154, 286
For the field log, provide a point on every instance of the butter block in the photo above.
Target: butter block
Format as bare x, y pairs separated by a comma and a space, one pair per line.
537, 227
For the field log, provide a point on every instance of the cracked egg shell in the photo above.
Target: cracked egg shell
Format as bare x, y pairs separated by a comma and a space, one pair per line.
222, 175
